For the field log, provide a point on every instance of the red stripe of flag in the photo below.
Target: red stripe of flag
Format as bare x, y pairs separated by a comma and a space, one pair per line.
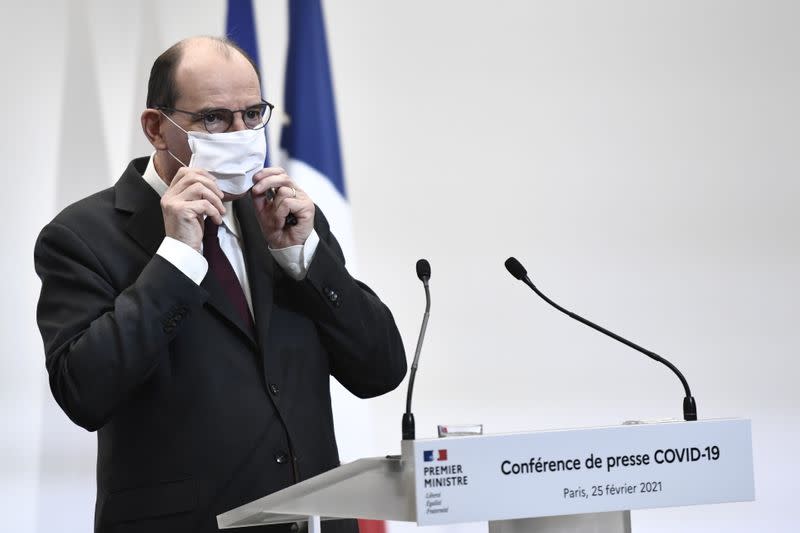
371, 526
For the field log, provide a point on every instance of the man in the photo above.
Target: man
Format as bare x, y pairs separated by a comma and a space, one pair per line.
203, 360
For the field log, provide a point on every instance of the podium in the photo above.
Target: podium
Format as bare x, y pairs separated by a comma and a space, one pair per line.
544, 481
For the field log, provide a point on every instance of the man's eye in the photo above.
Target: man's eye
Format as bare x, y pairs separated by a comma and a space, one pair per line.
253, 114
212, 117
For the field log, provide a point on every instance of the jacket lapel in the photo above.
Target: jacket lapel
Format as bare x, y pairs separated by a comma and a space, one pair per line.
219, 301
133, 195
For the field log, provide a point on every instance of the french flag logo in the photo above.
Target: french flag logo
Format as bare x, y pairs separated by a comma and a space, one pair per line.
439, 455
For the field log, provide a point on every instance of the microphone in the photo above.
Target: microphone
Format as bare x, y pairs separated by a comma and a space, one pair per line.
423, 271
424, 274
516, 269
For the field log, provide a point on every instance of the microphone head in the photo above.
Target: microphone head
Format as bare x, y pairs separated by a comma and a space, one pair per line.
423, 270
515, 268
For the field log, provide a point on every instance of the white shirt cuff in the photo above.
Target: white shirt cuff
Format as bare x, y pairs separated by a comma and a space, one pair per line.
184, 258
295, 260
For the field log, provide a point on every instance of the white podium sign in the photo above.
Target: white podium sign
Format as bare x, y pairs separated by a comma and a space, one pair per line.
572, 480
548, 473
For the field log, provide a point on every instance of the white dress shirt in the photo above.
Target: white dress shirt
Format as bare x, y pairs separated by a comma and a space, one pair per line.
294, 260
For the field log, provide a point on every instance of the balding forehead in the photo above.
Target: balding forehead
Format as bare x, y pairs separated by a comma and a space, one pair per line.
192, 60
200, 55
199, 46
211, 73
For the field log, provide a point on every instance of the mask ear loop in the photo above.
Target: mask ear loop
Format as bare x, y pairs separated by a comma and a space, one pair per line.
176, 159
183, 130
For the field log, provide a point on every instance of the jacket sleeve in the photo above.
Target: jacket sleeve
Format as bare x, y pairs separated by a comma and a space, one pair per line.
366, 350
101, 342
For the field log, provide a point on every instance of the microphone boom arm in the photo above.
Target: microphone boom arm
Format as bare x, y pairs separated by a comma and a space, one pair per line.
415, 364
408, 424
689, 405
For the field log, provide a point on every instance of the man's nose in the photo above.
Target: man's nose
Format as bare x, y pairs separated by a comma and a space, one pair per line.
238, 122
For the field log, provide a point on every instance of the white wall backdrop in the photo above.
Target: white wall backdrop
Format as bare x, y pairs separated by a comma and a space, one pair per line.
640, 157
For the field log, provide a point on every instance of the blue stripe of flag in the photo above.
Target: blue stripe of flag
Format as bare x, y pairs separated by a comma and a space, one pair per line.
240, 27
310, 135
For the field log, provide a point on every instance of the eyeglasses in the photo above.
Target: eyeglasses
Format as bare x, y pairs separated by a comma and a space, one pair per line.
220, 120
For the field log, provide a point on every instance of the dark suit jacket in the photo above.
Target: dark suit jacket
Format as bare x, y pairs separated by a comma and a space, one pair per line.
193, 415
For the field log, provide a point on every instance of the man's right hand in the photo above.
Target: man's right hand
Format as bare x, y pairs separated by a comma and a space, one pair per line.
192, 194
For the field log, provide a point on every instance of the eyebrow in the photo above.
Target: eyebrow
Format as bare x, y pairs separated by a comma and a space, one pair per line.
217, 108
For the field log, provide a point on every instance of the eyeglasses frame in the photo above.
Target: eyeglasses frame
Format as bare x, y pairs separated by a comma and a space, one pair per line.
200, 115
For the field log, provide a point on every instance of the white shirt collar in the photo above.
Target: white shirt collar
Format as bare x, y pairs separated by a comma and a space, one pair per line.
152, 178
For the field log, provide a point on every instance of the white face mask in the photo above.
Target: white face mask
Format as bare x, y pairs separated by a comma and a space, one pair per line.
232, 157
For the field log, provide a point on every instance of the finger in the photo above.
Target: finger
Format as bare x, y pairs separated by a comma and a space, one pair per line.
200, 191
180, 175
268, 171
271, 183
290, 211
299, 206
284, 193
200, 208
186, 177
258, 201
274, 182
190, 182
209, 181
197, 171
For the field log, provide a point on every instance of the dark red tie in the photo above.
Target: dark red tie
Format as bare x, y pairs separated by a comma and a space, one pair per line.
221, 269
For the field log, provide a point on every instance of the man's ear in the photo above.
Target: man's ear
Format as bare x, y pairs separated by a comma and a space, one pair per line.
151, 125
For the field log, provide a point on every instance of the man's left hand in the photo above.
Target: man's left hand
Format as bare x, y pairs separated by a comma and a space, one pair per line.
276, 196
